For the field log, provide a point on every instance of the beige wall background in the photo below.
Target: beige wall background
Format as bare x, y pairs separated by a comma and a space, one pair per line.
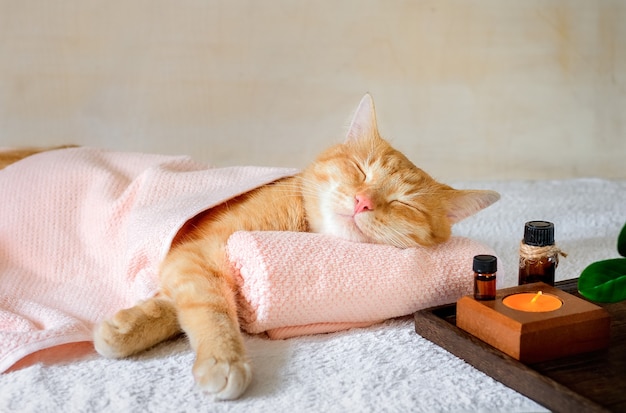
467, 89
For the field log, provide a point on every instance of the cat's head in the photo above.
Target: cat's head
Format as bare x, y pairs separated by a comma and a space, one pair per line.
364, 190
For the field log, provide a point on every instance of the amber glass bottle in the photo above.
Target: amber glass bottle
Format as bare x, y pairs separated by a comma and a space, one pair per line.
539, 256
485, 267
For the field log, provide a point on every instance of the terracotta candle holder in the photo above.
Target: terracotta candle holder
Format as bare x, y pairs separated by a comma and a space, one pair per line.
535, 322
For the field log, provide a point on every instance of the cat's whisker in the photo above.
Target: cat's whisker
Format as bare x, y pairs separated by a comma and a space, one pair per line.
392, 236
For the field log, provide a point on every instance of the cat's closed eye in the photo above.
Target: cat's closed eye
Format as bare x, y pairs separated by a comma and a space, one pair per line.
403, 204
360, 170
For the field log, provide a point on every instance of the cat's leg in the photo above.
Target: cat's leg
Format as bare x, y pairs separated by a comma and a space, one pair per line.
137, 328
197, 276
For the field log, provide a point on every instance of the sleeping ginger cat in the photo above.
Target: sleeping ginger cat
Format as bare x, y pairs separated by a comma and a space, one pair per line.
362, 190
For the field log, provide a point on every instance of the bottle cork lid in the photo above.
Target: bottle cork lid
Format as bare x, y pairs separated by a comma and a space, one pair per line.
485, 264
539, 233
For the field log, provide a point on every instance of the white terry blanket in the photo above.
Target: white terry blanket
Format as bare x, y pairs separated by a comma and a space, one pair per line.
386, 367
116, 212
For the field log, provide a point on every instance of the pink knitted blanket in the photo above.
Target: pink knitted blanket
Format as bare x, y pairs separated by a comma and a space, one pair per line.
300, 283
82, 232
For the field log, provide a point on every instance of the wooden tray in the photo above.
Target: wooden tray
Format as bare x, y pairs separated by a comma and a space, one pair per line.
591, 382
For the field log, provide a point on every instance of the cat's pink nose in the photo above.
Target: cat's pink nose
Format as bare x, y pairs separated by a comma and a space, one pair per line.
362, 203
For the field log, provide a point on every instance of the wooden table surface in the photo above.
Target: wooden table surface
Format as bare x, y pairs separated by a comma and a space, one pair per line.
590, 382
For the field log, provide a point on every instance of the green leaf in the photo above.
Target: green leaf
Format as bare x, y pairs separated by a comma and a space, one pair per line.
604, 281
621, 242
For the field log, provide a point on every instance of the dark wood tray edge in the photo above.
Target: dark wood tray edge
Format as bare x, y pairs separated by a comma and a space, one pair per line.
500, 366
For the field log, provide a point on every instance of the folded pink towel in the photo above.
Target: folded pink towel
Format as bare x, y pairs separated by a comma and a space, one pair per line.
300, 283
82, 232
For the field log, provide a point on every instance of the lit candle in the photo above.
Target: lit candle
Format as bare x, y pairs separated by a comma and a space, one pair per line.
533, 302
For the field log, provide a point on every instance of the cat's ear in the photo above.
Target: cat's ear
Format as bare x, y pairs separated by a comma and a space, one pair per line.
364, 121
463, 203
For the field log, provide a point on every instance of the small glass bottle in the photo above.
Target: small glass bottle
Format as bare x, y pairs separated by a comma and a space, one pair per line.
485, 267
539, 256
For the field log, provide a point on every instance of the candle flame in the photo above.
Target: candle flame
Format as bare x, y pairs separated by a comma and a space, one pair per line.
536, 297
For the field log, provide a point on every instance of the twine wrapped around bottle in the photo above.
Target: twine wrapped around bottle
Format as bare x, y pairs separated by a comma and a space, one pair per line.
535, 253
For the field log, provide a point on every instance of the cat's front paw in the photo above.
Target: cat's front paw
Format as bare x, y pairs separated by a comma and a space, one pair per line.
226, 380
135, 329
111, 337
